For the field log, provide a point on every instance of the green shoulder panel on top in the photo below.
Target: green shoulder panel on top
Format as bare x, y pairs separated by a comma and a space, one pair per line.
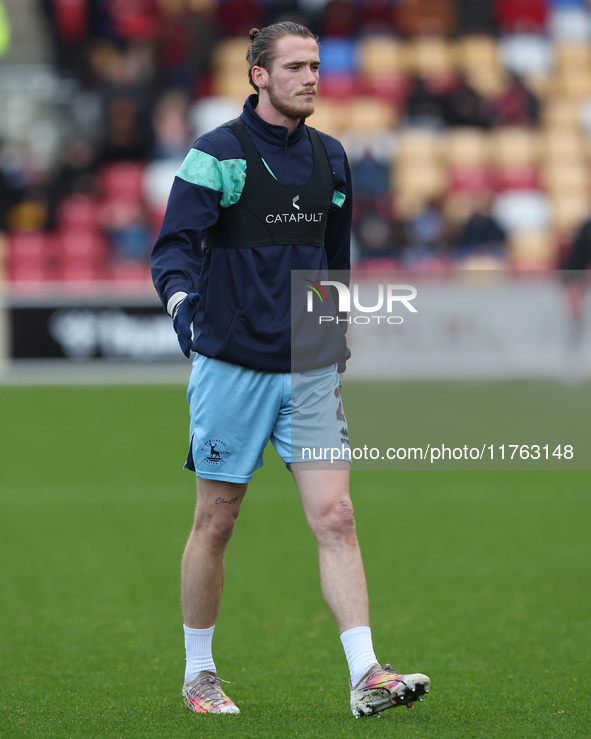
338, 198
205, 170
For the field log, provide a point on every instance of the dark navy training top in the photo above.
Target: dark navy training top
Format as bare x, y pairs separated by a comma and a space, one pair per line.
244, 314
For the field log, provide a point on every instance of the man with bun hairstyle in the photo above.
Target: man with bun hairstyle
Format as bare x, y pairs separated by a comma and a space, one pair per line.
254, 200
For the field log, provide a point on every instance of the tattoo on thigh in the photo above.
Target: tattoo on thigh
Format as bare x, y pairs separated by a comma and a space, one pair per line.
232, 501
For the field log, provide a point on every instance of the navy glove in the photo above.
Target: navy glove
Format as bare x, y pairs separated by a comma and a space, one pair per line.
182, 320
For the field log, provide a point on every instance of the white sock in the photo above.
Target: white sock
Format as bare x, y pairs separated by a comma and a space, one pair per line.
358, 651
198, 652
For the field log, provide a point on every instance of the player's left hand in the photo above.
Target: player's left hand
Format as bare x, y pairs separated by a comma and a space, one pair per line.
182, 320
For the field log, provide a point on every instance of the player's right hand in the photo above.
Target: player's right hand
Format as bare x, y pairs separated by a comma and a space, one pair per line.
182, 320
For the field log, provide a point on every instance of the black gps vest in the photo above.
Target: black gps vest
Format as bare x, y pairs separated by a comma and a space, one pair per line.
269, 212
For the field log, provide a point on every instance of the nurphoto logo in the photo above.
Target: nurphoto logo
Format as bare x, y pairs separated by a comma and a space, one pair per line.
377, 306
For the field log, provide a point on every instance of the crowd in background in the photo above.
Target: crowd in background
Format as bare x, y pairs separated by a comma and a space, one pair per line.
141, 74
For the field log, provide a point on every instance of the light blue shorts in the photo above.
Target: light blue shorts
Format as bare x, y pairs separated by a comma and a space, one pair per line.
235, 411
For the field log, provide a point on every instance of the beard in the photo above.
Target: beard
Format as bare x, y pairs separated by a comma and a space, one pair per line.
297, 109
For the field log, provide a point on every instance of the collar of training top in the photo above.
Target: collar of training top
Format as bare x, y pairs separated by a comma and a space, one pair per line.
269, 132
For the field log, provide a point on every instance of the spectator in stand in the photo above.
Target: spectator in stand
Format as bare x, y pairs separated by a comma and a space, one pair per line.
70, 24
576, 280
465, 107
32, 210
126, 136
378, 238
578, 256
75, 171
170, 124
174, 42
237, 17
10, 192
426, 235
516, 105
131, 21
281, 10
126, 91
204, 40
425, 107
341, 19
476, 17
371, 180
314, 11
481, 235
426, 17
521, 16
375, 16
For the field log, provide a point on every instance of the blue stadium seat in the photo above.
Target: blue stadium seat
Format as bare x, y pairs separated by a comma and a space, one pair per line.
568, 3
338, 55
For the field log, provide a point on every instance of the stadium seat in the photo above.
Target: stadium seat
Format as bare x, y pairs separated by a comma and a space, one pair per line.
527, 54
479, 60
419, 145
30, 256
516, 15
477, 52
211, 112
573, 84
122, 180
568, 24
567, 178
382, 55
77, 211
368, 114
469, 178
393, 88
465, 147
516, 177
29, 273
331, 116
562, 113
3, 257
561, 145
158, 179
522, 210
568, 211
232, 84
420, 180
31, 246
585, 118
572, 56
338, 85
431, 56
137, 273
230, 56
426, 17
338, 56
511, 146
533, 250
568, 3
80, 246
81, 272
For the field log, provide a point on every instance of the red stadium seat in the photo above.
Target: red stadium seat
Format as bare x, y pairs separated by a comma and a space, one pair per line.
77, 211
81, 245
30, 256
470, 179
519, 177
122, 180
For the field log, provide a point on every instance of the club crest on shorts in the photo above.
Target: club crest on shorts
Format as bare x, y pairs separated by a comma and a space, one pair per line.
215, 451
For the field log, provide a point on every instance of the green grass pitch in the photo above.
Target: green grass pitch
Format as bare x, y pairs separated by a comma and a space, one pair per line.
478, 578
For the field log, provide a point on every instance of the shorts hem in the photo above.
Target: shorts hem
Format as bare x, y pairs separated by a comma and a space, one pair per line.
225, 477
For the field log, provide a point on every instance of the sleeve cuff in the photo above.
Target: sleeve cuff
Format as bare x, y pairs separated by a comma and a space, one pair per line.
174, 300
